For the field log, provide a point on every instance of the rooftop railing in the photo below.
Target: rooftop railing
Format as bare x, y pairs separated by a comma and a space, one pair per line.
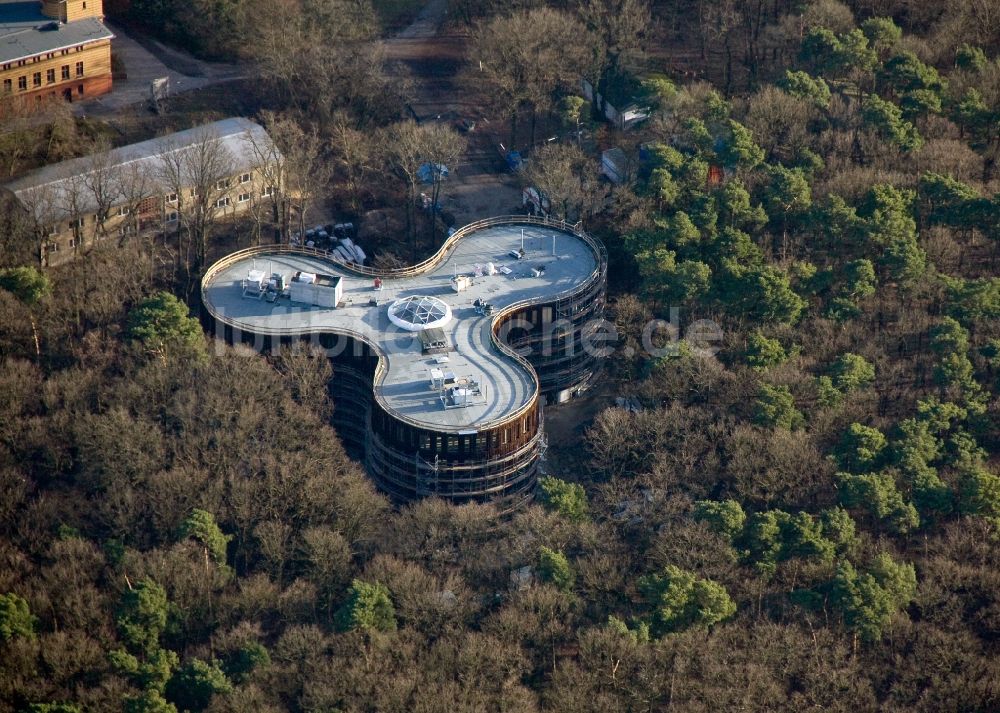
600, 255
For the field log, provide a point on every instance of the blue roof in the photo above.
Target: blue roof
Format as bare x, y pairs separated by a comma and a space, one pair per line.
26, 32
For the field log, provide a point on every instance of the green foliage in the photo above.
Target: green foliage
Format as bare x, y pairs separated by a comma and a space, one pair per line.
905, 73
947, 201
763, 352
738, 147
660, 90
639, 633
887, 118
950, 342
151, 673
821, 50
775, 536
725, 517
567, 499
861, 448
194, 684
855, 56
970, 58
787, 192
553, 567
877, 494
698, 137
839, 528
142, 615
979, 494
663, 187
973, 300
149, 701
162, 324
201, 526
905, 261
882, 33
859, 279
16, 618
681, 601
804, 86
735, 208
571, 108
53, 708
245, 659
868, 600
28, 284
368, 608
851, 372
775, 407
762, 293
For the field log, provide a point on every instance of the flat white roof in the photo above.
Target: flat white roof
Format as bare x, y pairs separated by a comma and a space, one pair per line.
406, 387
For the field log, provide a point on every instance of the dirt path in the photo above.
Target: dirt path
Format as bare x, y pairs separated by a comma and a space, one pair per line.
145, 59
431, 55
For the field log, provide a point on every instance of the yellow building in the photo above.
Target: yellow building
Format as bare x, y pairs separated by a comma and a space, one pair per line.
54, 48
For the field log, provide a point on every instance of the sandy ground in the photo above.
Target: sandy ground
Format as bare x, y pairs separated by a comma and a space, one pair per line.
148, 60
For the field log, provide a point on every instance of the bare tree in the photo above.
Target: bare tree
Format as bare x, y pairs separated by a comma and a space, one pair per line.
620, 26
354, 153
410, 146
30, 216
295, 167
567, 177
101, 180
200, 175
524, 60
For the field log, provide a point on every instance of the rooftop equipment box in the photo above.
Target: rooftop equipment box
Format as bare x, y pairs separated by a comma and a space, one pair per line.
315, 289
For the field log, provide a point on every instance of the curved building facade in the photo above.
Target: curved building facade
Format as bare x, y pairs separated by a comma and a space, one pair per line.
440, 369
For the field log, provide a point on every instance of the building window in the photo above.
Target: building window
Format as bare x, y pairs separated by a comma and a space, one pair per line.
222, 202
65, 71
72, 242
22, 84
8, 86
53, 247
6, 66
222, 184
36, 79
123, 210
50, 76
53, 230
65, 52
244, 197
79, 90
20, 63
84, 4
78, 223
245, 178
268, 191
172, 216
194, 192
79, 69
171, 198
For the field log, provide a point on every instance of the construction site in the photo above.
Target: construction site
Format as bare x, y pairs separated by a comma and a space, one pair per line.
442, 369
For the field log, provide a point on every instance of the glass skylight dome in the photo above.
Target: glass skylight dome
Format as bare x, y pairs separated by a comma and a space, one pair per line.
418, 312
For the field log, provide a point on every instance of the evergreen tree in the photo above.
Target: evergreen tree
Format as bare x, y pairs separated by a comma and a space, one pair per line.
567, 499
553, 567
368, 608
681, 601
16, 618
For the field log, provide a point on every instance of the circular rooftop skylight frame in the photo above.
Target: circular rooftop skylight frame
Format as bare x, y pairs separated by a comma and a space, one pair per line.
419, 312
